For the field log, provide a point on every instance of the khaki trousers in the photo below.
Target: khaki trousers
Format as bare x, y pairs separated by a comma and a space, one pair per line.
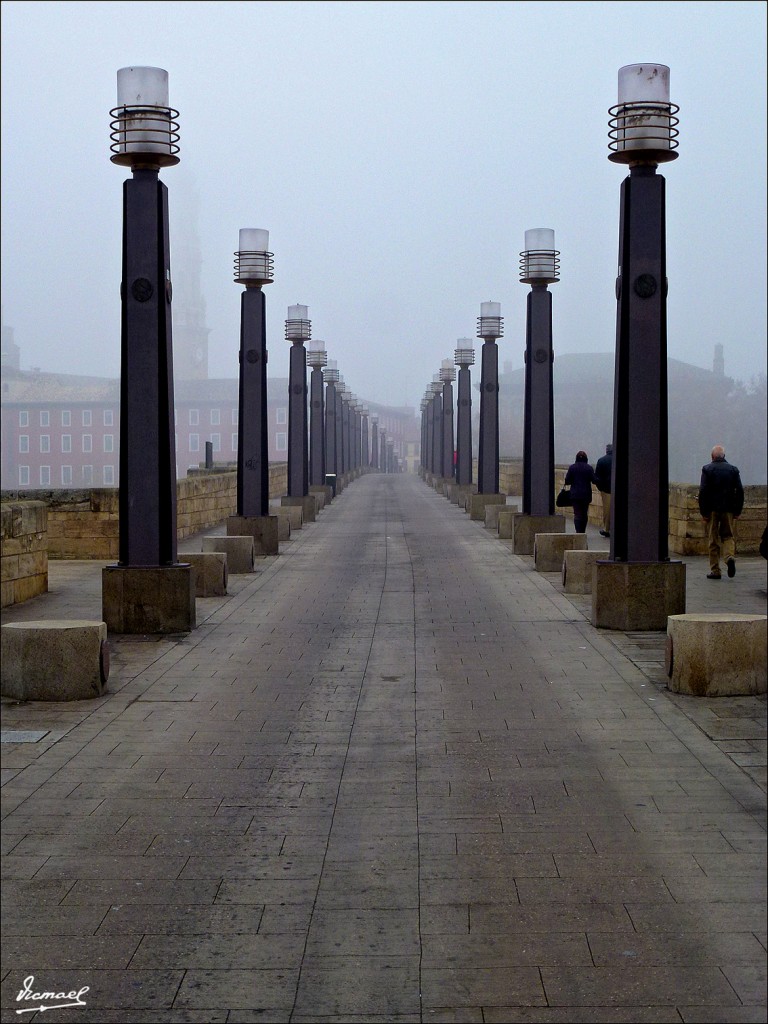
721, 540
606, 510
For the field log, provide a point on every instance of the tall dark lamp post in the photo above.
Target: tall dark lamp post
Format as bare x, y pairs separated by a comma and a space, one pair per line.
447, 377
638, 587
148, 591
464, 357
374, 442
365, 458
298, 329
317, 357
332, 471
383, 450
341, 441
490, 326
253, 269
436, 388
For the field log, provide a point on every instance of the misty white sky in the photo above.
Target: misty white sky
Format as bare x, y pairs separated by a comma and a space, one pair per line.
396, 152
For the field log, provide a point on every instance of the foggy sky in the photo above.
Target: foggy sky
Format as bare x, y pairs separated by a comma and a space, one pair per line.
397, 153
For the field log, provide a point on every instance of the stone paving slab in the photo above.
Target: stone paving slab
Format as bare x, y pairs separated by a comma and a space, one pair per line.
394, 776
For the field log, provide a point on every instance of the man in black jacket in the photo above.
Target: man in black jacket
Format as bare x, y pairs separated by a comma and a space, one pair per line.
603, 471
721, 499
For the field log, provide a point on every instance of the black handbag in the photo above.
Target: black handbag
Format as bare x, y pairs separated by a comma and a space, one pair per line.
564, 499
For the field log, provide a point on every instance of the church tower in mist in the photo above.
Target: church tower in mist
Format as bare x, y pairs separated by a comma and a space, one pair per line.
190, 331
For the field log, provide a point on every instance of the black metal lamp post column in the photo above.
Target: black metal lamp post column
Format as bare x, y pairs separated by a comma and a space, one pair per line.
137, 594
447, 376
464, 357
298, 329
424, 406
383, 451
489, 328
539, 267
340, 439
374, 442
331, 375
365, 440
643, 134
437, 427
317, 357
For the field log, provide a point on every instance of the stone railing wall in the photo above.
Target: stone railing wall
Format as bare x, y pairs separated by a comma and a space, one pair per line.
23, 551
84, 523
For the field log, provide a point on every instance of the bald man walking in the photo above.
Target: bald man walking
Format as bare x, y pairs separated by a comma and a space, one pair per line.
721, 499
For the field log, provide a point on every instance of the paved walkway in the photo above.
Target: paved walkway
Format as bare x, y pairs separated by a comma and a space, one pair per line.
395, 775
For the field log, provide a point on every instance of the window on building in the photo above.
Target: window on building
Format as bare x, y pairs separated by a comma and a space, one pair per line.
88, 476
66, 418
66, 442
66, 476
45, 476
45, 418
45, 443
215, 417
109, 475
86, 417
109, 442
234, 417
23, 476
23, 419
281, 416
194, 442
216, 441
87, 443
23, 442
109, 418
234, 442
281, 442
194, 417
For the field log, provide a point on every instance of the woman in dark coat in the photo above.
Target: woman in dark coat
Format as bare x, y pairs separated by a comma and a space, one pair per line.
580, 476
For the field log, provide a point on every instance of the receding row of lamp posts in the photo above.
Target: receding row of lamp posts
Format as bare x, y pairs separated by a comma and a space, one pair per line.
642, 133
539, 267
145, 137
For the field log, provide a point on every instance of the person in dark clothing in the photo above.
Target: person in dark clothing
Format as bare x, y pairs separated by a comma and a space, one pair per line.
603, 473
580, 476
721, 499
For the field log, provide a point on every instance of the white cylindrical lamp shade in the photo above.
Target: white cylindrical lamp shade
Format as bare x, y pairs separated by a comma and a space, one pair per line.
539, 260
464, 354
253, 260
447, 371
297, 325
144, 124
316, 353
643, 118
489, 323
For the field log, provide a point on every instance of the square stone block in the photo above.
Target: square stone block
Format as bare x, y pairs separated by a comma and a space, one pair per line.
492, 513
324, 492
307, 504
265, 531
148, 599
54, 660
548, 549
293, 513
577, 570
637, 595
721, 654
525, 527
239, 551
479, 502
210, 570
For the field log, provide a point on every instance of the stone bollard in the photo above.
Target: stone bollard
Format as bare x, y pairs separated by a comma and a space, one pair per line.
54, 660
308, 505
210, 569
549, 548
479, 502
717, 654
239, 552
492, 513
577, 569
293, 513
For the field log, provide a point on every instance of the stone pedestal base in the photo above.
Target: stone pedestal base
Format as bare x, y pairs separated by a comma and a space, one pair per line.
525, 528
492, 513
148, 599
717, 654
54, 660
577, 570
457, 493
265, 531
293, 514
479, 502
637, 595
324, 492
307, 504
239, 552
210, 571
549, 549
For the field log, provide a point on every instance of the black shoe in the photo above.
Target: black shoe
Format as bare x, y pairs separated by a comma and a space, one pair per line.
731, 566
713, 576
